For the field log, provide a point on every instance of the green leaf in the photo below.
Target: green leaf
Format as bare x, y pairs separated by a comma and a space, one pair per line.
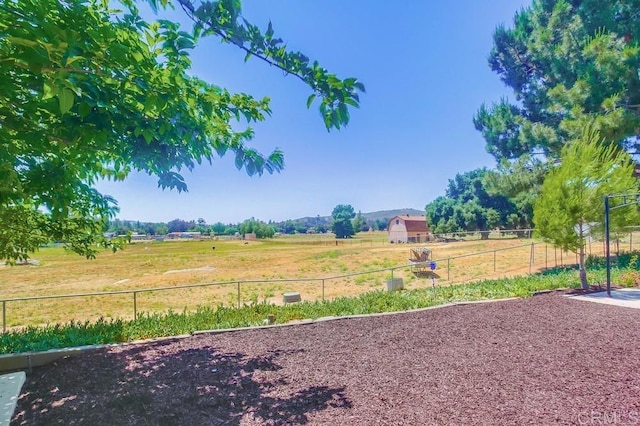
352, 102
239, 161
70, 60
48, 91
147, 135
65, 99
84, 109
22, 41
310, 100
36, 67
269, 33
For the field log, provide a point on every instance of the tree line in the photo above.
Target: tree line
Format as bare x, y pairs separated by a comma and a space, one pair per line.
482, 200
318, 225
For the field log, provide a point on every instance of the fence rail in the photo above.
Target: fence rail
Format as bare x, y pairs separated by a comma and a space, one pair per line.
547, 261
492, 234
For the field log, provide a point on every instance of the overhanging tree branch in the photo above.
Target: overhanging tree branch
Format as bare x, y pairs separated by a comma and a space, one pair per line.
221, 18
190, 10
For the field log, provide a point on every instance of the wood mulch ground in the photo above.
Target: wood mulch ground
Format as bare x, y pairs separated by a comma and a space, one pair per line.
543, 360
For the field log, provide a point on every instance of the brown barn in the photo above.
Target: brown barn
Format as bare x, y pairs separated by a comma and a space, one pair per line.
408, 229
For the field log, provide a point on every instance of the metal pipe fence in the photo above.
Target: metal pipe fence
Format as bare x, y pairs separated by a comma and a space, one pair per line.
538, 255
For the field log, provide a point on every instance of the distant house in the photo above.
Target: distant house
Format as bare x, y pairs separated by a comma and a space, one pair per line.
409, 229
184, 235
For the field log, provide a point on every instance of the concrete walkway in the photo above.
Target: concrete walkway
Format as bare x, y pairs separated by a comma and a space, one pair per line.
628, 297
10, 385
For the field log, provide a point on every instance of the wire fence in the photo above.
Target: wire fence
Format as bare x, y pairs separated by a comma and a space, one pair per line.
363, 239
497, 263
484, 235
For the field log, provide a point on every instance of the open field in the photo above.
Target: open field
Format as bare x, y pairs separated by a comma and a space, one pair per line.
316, 266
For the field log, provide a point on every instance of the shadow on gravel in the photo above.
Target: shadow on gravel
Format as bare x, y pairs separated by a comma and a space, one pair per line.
160, 385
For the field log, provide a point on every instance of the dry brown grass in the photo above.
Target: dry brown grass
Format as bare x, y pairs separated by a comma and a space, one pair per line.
147, 265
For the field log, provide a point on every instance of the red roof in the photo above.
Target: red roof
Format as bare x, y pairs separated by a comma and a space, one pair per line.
413, 223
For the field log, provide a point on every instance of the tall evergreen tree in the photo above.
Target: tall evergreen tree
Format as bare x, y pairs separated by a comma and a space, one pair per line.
569, 63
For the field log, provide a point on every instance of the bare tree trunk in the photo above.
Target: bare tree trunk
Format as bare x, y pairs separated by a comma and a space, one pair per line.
581, 260
583, 271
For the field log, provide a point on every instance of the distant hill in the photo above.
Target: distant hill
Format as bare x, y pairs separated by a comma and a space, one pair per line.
388, 214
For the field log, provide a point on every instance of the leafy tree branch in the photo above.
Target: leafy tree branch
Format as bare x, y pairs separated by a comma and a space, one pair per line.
91, 93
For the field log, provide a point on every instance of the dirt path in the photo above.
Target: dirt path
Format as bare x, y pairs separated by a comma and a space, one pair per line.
544, 360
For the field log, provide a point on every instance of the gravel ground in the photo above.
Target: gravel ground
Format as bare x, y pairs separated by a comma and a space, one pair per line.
543, 360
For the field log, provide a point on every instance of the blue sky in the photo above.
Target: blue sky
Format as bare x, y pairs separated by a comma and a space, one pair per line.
424, 65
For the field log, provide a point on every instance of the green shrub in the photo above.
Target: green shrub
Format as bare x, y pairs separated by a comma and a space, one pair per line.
622, 260
629, 278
